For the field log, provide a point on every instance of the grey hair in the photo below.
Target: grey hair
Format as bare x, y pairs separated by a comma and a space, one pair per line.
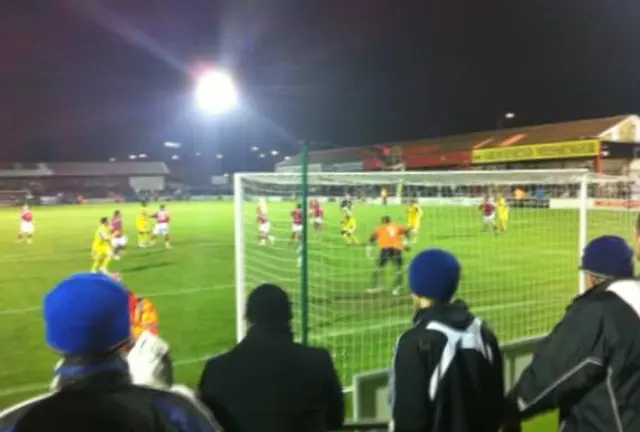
598, 278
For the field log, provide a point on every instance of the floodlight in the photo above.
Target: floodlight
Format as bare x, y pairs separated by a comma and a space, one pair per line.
132, 157
219, 156
198, 154
216, 92
142, 155
287, 158
112, 159
262, 155
274, 152
175, 157
172, 144
254, 148
509, 115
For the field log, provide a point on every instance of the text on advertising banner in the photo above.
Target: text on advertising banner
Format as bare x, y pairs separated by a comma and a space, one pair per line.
560, 150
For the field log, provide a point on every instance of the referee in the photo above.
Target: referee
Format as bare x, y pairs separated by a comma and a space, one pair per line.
588, 367
447, 370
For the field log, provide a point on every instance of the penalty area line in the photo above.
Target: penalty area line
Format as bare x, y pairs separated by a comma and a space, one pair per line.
151, 294
29, 388
407, 321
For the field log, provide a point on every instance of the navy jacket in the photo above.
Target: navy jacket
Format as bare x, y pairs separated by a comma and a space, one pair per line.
447, 374
98, 395
588, 367
269, 383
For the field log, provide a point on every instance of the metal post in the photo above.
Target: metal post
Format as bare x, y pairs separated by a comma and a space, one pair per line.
304, 264
239, 197
582, 226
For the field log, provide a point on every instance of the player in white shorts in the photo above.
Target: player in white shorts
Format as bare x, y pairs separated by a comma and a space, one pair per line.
118, 239
161, 228
296, 223
317, 216
264, 225
26, 225
489, 215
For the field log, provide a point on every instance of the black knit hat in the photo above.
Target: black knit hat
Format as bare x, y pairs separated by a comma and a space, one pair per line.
268, 304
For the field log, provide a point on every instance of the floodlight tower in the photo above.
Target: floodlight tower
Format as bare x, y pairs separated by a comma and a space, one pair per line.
503, 118
215, 93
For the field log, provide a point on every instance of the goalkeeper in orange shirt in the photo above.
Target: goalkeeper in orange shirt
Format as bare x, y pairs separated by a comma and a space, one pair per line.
144, 316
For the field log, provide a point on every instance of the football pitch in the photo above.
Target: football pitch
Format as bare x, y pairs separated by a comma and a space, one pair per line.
520, 282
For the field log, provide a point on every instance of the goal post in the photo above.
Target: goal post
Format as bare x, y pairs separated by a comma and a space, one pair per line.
519, 280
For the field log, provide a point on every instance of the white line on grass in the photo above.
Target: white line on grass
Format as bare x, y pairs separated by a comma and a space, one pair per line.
407, 321
337, 333
65, 254
151, 294
28, 388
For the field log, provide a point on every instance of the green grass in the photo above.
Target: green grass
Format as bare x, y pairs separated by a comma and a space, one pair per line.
519, 282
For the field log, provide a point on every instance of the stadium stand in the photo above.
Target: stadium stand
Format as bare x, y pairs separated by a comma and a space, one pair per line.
111, 169
602, 144
91, 180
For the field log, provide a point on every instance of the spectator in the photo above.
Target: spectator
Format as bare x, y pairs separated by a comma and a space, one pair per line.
87, 322
588, 367
446, 374
269, 383
637, 240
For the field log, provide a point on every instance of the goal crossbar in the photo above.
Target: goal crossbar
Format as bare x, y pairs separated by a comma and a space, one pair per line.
422, 178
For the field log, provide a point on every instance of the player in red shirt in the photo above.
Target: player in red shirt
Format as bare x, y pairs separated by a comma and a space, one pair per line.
264, 226
296, 223
317, 216
489, 214
118, 239
161, 228
26, 225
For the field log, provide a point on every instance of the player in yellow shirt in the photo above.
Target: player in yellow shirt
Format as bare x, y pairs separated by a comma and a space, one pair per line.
101, 251
143, 226
414, 217
503, 214
348, 230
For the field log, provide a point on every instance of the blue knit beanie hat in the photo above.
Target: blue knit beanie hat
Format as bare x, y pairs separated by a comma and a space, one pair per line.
434, 274
87, 313
608, 256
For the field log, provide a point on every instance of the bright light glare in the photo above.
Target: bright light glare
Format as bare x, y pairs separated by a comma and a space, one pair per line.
287, 158
254, 148
216, 92
198, 154
226, 174
112, 159
175, 157
262, 156
274, 152
509, 115
142, 155
172, 144
132, 157
219, 156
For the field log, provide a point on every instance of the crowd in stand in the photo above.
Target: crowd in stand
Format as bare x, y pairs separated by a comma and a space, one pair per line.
446, 374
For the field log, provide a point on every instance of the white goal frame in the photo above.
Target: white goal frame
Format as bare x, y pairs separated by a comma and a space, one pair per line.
581, 177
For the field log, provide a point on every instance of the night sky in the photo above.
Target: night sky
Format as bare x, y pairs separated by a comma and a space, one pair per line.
90, 80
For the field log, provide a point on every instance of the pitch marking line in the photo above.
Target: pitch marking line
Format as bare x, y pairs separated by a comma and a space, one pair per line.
37, 387
40, 255
151, 294
407, 322
189, 361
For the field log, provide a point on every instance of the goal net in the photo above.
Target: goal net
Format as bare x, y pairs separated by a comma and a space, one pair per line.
13, 197
519, 280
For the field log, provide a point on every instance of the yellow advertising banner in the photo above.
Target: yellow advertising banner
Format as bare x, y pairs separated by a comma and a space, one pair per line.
559, 150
